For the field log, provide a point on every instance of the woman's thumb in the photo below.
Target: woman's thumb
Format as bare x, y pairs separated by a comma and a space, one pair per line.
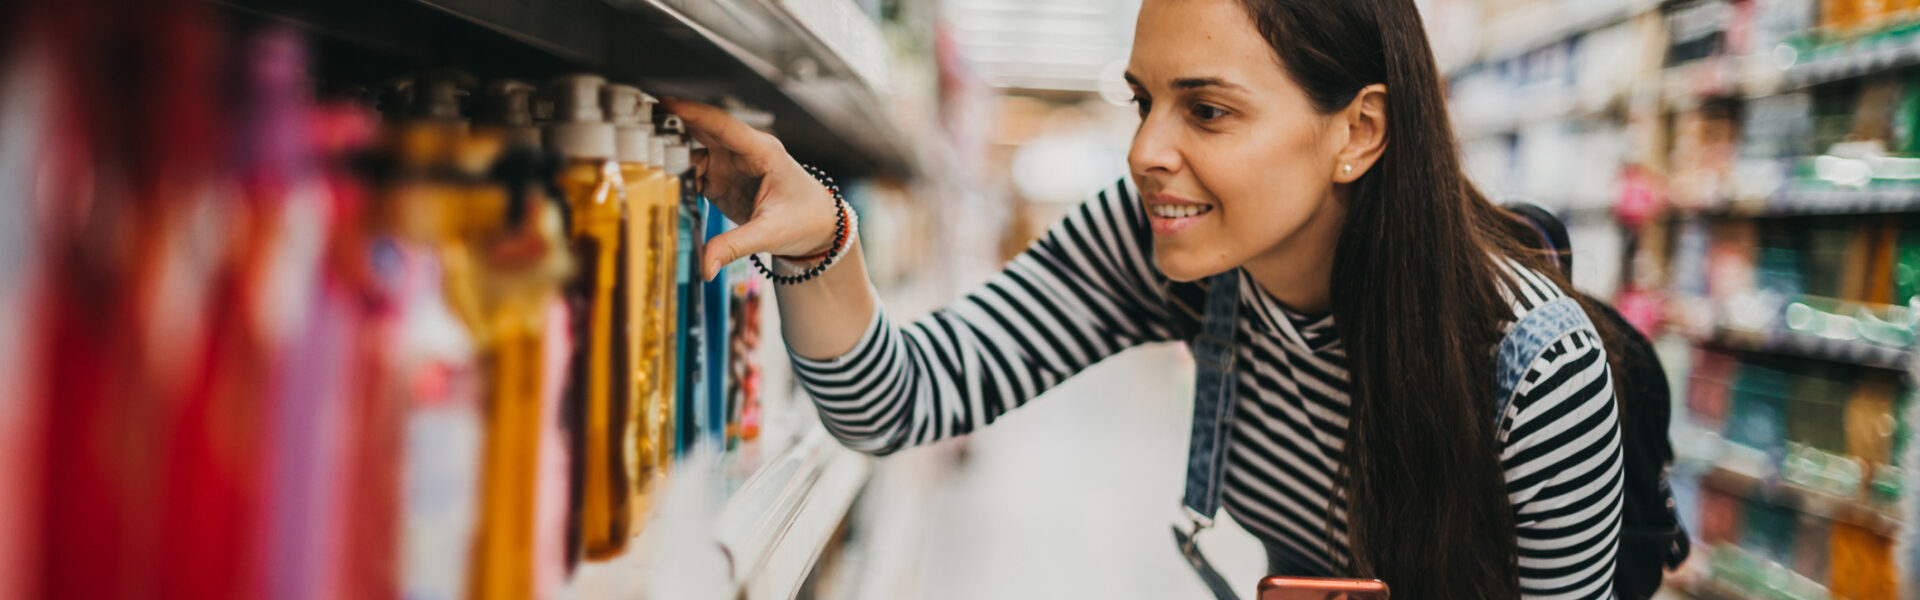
732, 245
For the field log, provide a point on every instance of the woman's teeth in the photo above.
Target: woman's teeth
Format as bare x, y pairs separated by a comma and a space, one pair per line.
1176, 211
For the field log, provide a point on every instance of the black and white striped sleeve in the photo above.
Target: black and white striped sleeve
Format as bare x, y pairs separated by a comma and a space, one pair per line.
1562, 457
1084, 291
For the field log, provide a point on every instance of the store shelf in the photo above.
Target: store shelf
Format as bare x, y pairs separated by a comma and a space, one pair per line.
1510, 123
1866, 56
812, 64
1882, 519
775, 526
762, 542
1891, 199
1544, 24
1842, 201
1794, 343
1707, 588
1687, 85
1711, 587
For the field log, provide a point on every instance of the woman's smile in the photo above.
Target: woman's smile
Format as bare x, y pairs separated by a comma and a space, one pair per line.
1170, 215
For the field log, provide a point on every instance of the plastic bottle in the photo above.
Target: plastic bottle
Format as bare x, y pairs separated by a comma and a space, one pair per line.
433, 285
591, 181
686, 362
522, 549
651, 219
507, 113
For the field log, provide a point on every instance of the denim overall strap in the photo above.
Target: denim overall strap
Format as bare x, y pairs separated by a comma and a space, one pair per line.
1213, 355
1529, 337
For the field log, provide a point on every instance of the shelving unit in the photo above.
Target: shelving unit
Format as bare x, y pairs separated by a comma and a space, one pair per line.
819, 68
1542, 102
812, 64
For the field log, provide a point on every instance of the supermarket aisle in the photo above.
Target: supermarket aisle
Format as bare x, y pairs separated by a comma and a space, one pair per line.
1071, 495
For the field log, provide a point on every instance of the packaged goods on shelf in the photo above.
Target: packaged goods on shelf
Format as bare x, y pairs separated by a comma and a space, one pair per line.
1762, 200
446, 339
1699, 29
1705, 143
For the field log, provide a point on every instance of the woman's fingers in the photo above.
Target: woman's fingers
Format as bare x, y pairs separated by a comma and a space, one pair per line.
752, 237
715, 128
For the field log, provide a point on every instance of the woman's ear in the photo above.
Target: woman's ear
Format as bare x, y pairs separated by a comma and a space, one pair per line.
1366, 122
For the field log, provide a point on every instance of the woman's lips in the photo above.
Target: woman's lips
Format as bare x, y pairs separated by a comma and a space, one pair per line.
1171, 217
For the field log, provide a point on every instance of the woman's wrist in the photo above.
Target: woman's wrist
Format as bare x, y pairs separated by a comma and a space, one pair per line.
827, 239
793, 269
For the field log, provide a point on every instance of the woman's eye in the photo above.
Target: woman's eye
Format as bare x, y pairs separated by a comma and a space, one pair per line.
1142, 104
1206, 113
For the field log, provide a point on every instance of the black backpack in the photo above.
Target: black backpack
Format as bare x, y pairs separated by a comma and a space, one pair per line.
1652, 541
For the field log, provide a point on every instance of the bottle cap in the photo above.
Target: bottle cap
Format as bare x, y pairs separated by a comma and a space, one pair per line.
438, 95
579, 128
631, 112
678, 158
509, 107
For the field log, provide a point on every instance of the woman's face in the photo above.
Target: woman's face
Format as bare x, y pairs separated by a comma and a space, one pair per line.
1231, 157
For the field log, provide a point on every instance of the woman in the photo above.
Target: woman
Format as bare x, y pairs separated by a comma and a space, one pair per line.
1303, 147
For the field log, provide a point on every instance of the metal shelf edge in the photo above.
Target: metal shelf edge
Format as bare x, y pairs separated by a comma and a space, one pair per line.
782, 515
835, 118
1884, 520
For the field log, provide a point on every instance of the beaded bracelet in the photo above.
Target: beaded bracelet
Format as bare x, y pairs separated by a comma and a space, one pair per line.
840, 236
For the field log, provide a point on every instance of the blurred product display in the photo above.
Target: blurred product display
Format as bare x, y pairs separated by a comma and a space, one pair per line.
400, 298
316, 310
1739, 178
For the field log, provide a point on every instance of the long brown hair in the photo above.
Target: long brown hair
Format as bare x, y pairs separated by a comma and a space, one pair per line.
1417, 301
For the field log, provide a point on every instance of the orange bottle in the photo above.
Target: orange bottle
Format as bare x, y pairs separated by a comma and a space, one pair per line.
596, 194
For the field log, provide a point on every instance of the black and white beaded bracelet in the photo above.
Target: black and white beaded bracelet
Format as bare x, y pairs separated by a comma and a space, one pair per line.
842, 233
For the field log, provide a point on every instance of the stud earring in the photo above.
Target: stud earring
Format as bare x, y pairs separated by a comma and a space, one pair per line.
1346, 169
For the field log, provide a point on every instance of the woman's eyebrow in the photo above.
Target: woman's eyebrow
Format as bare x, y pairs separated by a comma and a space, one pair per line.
1194, 83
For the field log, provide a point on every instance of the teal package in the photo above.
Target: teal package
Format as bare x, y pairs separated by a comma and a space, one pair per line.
712, 412
688, 346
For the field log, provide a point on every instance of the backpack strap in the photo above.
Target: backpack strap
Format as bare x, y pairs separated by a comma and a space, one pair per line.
1524, 342
1213, 357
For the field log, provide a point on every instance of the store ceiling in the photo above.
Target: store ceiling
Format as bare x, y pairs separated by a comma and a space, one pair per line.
1066, 45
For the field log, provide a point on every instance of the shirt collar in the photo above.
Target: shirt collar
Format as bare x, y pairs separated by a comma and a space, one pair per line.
1313, 333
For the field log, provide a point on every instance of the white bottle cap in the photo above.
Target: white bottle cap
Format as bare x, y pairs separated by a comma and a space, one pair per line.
509, 107
678, 158
632, 115
579, 128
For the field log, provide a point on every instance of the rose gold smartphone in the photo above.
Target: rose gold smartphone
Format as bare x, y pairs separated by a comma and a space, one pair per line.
1317, 588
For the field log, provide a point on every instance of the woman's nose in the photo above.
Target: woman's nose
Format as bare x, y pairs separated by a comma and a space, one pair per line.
1153, 150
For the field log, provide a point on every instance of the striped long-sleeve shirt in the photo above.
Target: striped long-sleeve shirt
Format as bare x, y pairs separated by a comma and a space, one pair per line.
1089, 289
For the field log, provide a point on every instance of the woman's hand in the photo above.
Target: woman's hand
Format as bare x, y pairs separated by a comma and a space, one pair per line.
746, 173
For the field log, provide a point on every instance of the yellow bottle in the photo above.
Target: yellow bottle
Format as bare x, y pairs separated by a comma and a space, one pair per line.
632, 114
520, 284
590, 179
517, 228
